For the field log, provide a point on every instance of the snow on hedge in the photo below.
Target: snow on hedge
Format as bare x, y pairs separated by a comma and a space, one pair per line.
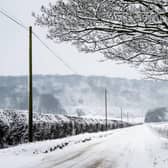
14, 126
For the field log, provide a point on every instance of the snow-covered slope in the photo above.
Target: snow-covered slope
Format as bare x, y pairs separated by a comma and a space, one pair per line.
74, 94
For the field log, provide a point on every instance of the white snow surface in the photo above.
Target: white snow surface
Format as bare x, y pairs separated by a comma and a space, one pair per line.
161, 128
133, 147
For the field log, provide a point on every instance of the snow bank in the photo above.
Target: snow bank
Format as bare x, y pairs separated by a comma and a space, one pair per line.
161, 128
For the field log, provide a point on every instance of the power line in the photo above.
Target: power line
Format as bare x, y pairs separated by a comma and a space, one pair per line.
4, 12
59, 58
14, 20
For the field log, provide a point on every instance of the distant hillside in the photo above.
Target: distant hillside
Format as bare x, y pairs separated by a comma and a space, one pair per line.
73, 94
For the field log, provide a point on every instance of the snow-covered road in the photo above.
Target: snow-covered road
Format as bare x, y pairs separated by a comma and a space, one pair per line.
134, 147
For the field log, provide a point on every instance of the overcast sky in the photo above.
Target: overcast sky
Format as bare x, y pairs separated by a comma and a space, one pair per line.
14, 48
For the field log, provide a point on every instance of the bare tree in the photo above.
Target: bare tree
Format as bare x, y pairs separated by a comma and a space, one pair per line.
131, 31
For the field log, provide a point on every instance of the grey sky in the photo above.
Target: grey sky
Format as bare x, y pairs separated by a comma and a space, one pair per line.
14, 48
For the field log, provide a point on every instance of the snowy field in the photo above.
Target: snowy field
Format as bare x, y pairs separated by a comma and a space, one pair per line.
161, 128
133, 147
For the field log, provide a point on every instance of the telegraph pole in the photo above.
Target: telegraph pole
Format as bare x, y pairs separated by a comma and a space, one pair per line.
106, 107
30, 88
127, 117
121, 114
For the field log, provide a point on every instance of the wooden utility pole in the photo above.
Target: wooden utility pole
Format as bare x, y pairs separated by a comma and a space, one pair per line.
30, 88
127, 117
121, 114
106, 107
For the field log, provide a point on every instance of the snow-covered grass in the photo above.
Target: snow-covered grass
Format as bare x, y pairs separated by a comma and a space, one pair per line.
161, 128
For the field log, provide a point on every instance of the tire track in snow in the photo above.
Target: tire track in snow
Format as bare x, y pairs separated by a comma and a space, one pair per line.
77, 155
136, 147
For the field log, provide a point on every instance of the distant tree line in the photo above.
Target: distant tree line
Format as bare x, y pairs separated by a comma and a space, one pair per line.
157, 115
